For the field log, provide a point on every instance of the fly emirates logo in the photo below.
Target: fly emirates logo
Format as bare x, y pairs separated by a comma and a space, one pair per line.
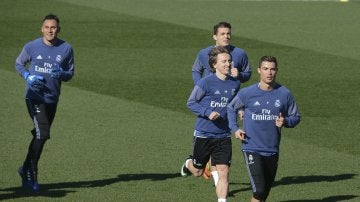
223, 102
265, 115
46, 69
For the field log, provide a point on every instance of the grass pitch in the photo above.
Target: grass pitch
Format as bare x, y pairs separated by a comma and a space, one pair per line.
122, 129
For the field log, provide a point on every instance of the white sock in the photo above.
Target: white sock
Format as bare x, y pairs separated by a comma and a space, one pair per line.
187, 162
215, 176
222, 200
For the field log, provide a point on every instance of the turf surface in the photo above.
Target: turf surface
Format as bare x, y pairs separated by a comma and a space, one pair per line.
122, 128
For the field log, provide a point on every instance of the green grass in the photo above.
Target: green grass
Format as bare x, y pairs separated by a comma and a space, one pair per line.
122, 129
326, 26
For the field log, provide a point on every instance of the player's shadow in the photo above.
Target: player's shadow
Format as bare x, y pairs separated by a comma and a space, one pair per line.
306, 179
312, 179
55, 190
327, 199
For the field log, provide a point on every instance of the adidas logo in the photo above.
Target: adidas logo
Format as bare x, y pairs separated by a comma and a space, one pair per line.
39, 57
217, 92
257, 103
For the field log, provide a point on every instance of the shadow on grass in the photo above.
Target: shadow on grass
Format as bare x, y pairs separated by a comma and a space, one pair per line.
307, 179
235, 191
54, 190
312, 178
327, 199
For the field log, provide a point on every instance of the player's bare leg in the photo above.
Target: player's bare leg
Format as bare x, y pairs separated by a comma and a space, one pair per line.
223, 183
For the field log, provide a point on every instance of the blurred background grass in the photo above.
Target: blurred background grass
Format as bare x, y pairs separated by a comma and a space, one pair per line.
122, 126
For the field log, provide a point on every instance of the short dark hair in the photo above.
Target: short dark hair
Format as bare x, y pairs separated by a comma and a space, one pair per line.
213, 55
221, 24
268, 58
52, 17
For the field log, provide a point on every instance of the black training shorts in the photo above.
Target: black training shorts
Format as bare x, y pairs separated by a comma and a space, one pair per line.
219, 149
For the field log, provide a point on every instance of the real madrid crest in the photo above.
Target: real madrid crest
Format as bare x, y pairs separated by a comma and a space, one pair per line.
277, 103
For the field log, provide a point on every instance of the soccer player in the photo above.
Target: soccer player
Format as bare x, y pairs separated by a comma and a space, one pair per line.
43, 63
201, 67
222, 37
269, 107
208, 101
